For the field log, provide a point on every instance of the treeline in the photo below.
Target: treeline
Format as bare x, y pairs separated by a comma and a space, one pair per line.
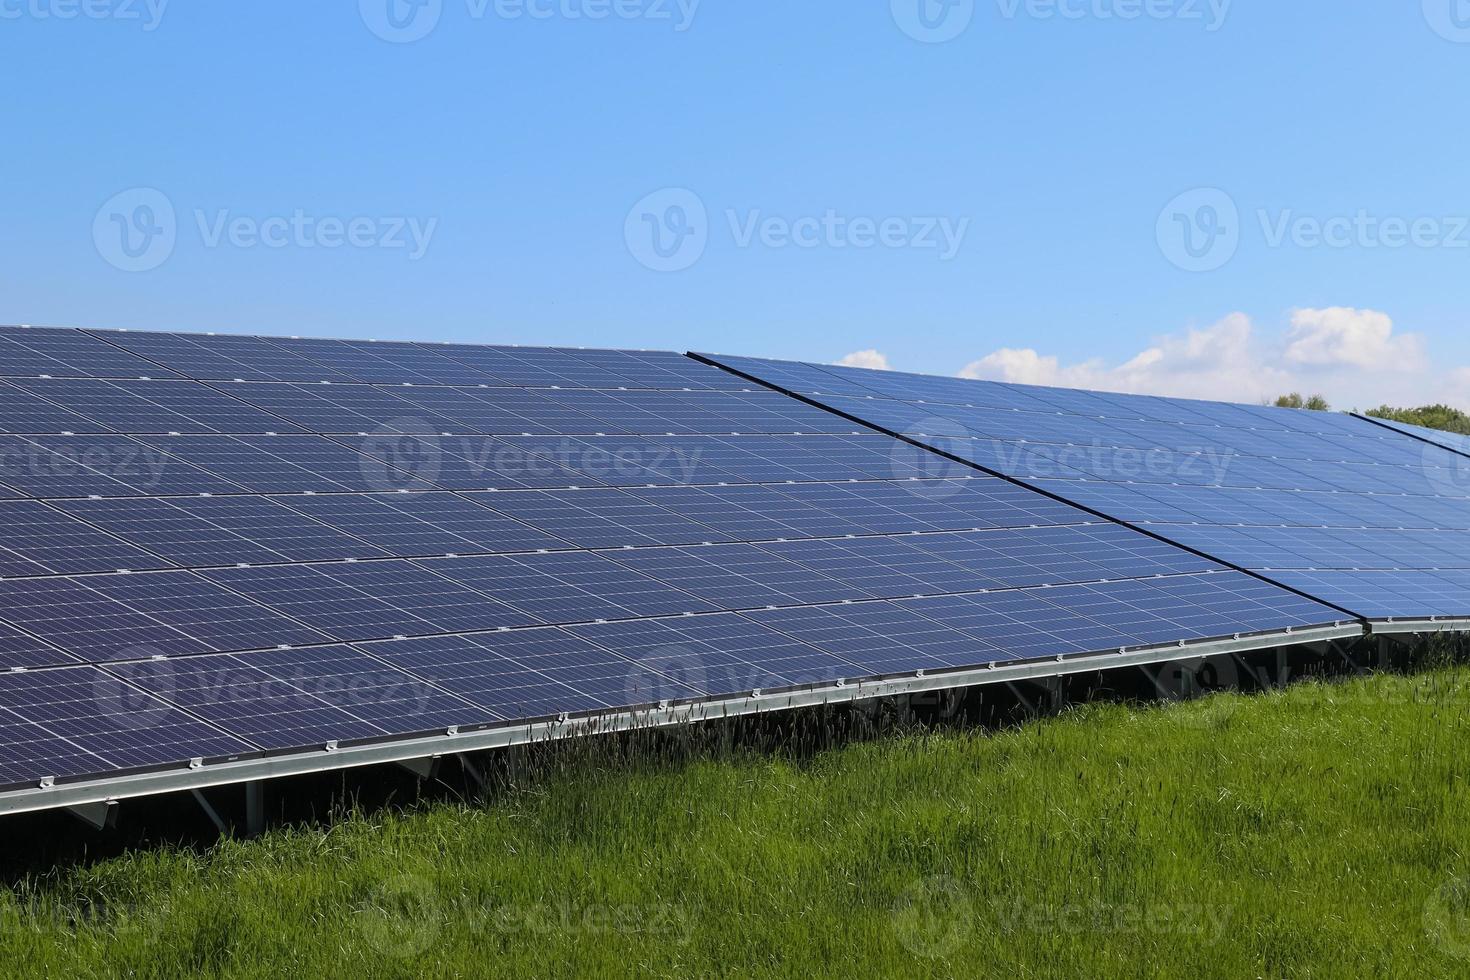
1429, 416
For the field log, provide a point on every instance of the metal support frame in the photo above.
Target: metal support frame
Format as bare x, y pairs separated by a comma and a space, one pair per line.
210, 812
98, 816
255, 807
1400, 626
50, 795
425, 769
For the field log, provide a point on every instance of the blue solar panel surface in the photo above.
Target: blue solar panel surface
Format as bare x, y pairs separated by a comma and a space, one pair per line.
1345, 509
227, 546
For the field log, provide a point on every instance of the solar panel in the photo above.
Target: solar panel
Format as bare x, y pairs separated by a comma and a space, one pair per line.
25, 411
275, 545
257, 706
1454, 441
48, 541
32, 352
1319, 502
524, 674
421, 525
75, 721
54, 467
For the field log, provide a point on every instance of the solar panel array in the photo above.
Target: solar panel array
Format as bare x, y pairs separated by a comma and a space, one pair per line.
223, 547
1460, 444
1336, 506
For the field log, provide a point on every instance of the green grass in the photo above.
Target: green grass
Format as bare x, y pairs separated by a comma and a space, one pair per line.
1316, 831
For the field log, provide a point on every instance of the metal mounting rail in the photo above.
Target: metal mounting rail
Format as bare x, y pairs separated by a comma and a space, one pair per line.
1396, 626
51, 795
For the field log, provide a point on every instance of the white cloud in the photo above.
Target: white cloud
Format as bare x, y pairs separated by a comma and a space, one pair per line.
1356, 338
866, 359
1354, 357
1218, 361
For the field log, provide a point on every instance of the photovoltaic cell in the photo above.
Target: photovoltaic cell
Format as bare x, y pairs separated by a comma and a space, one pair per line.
104, 717
1453, 441
51, 542
425, 524
370, 689
41, 351
218, 618
25, 411
719, 655
521, 674
54, 467
69, 614
229, 693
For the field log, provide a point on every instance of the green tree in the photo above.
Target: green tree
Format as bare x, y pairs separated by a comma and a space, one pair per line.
1316, 403
1429, 416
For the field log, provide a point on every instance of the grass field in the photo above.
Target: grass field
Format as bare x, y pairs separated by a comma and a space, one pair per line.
1323, 830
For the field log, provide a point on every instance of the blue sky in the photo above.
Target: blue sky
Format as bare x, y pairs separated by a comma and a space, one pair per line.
825, 178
